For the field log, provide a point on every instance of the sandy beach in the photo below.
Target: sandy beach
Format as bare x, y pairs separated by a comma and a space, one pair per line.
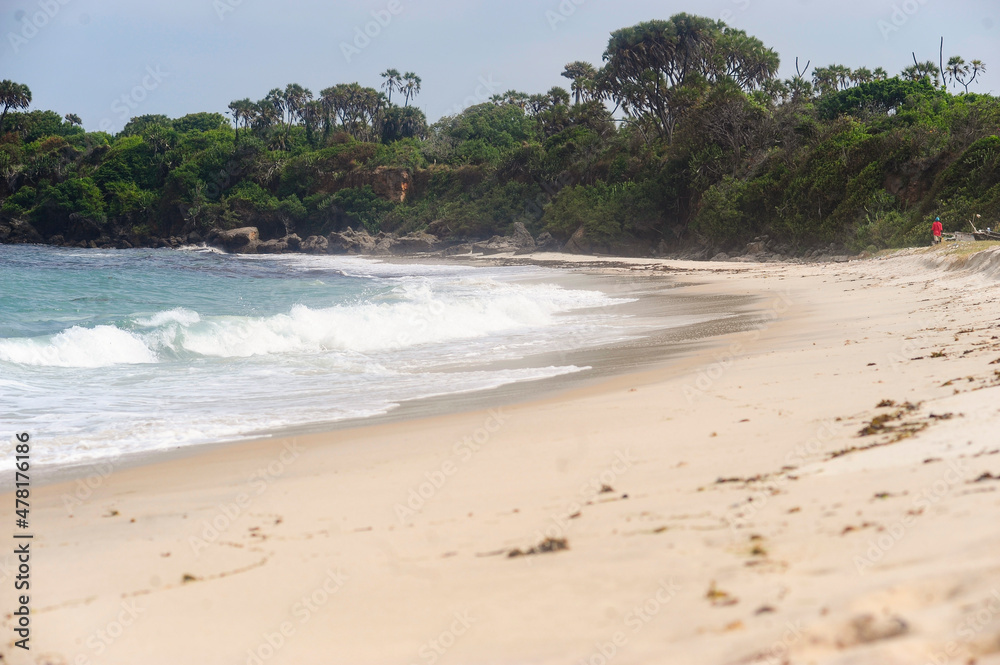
822, 488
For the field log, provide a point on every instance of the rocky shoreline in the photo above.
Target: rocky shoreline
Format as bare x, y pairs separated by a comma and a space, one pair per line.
247, 240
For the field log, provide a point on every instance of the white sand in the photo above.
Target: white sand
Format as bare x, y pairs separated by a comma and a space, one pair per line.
885, 555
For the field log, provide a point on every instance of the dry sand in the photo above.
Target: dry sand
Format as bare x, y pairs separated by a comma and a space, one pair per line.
731, 530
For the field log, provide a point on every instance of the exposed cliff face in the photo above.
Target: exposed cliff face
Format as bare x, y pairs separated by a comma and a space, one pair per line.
390, 183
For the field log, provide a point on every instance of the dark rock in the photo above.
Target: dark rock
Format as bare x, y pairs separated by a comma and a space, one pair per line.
272, 247
315, 245
194, 238
351, 242
294, 241
463, 248
495, 245
414, 243
57, 240
439, 228
243, 240
19, 232
384, 243
578, 243
521, 238
546, 243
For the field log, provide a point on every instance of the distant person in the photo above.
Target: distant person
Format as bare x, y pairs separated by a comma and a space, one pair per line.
936, 230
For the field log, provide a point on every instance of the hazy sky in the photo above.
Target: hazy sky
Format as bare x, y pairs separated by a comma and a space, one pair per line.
107, 60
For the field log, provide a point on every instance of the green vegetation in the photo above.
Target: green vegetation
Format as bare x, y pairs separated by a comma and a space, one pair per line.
684, 137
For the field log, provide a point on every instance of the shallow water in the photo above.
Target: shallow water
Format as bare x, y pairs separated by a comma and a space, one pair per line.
104, 353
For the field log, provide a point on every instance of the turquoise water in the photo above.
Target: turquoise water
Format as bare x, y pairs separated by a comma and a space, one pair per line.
104, 353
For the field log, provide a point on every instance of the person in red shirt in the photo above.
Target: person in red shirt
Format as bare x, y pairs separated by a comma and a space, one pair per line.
936, 229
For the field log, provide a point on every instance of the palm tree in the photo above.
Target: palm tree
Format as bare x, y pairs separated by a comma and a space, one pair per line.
241, 109
798, 88
880, 74
957, 70
583, 76
920, 70
411, 87
73, 119
842, 75
978, 67
393, 81
862, 75
296, 98
13, 96
825, 79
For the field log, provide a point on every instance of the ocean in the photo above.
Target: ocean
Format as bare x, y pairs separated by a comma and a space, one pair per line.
108, 353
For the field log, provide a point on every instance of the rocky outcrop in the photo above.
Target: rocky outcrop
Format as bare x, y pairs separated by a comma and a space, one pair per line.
495, 245
546, 243
16, 231
315, 245
413, 243
521, 238
272, 247
351, 242
392, 184
578, 243
519, 241
244, 240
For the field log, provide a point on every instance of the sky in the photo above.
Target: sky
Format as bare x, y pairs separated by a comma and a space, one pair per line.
109, 60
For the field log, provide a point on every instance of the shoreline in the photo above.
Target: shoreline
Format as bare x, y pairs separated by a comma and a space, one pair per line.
742, 499
654, 301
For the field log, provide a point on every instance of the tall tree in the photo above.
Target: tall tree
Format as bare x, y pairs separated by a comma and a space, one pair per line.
13, 96
957, 70
919, 70
411, 87
584, 77
393, 80
73, 119
657, 70
862, 75
241, 109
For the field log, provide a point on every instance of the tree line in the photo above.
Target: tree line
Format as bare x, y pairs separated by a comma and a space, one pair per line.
683, 136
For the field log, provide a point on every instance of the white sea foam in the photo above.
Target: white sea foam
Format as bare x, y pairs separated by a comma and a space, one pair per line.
416, 315
179, 315
101, 346
355, 341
